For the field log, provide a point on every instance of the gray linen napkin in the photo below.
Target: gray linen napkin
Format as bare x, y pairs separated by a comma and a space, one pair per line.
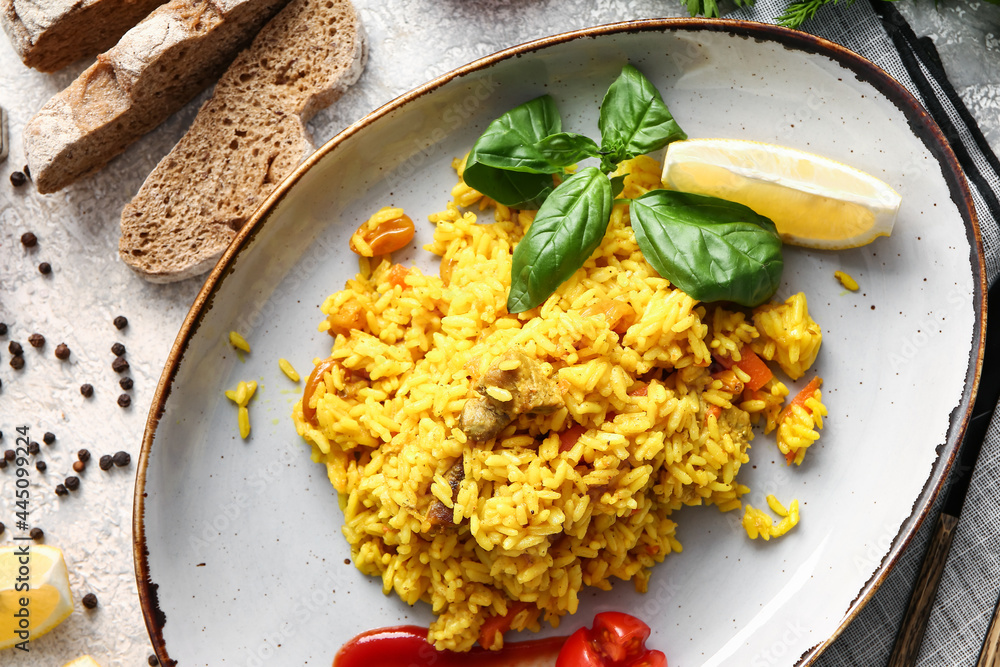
971, 579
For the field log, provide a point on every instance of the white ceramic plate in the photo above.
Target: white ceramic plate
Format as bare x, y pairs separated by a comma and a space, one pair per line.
239, 555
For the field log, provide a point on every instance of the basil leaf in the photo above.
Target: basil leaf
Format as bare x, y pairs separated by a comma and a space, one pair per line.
504, 164
634, 119
712, 249
510, 188
568, 228
617, 185
565, 148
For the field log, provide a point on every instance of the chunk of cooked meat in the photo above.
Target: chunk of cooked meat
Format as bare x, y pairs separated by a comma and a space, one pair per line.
482, 418
439, 514
514, 384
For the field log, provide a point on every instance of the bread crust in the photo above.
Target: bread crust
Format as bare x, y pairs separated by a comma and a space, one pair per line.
243, 142
155, 69
50, 34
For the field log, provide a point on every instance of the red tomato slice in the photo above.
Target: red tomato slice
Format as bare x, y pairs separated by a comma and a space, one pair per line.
615, 640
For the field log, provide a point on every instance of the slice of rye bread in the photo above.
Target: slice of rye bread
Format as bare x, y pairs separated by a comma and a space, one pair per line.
50, 34
243, 142
156, 68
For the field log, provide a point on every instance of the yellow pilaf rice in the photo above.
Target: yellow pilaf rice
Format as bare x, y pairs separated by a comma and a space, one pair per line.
238, 341
538, 519
758, 523
286, 367
241, 397
846, 280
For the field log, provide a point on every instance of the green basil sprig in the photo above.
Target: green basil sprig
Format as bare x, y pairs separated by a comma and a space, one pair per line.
504, 163
712, 249
565, 148
634, 119
567, 229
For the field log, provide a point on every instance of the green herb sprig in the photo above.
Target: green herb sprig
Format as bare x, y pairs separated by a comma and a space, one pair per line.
714, 250
795, 14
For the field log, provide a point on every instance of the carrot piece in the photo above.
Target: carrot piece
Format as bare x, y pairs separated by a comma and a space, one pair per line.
790, 458
494, 624
569, 437
755, 367
802, 396
397, 275
714, 410
619, 314
750, 364
641, 390
351, 315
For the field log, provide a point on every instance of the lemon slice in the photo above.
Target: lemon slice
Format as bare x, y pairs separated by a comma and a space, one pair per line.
48, 598
83, 661
813, 201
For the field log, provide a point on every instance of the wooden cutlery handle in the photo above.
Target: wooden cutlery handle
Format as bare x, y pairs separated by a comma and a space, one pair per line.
911, 633
990, 655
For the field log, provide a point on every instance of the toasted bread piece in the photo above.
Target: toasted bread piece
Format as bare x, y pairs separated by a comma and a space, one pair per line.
156, 68
50, 34
244, 140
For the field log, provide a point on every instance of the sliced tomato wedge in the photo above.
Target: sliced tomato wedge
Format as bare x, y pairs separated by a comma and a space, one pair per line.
615, 640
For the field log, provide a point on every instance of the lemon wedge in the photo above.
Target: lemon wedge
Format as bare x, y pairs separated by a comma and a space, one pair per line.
83, 661
27, 615
813, 201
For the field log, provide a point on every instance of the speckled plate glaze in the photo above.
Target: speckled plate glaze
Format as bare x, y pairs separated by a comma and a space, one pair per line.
239, 557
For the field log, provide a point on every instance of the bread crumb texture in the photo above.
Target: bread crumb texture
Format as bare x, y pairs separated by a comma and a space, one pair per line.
243, 142
154, 70
52, 34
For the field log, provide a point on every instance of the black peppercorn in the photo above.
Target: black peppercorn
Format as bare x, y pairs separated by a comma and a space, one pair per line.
33, 448
3, 328
45, 268
36, 533
119, 365
125, 383
79, 466
40, 466
105, 462
29, 240
3, 463
152, 661
62, 351
89, 601
9, 455
72, 482
17, 178
37, 340
121, 322
49, 437
17, 363
124, 400
122, 459
87, 390
2, 527
61, 490
83, 455
118, 349
15, 348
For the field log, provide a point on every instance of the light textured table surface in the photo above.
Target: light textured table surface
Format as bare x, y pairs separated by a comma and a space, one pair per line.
411, 41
